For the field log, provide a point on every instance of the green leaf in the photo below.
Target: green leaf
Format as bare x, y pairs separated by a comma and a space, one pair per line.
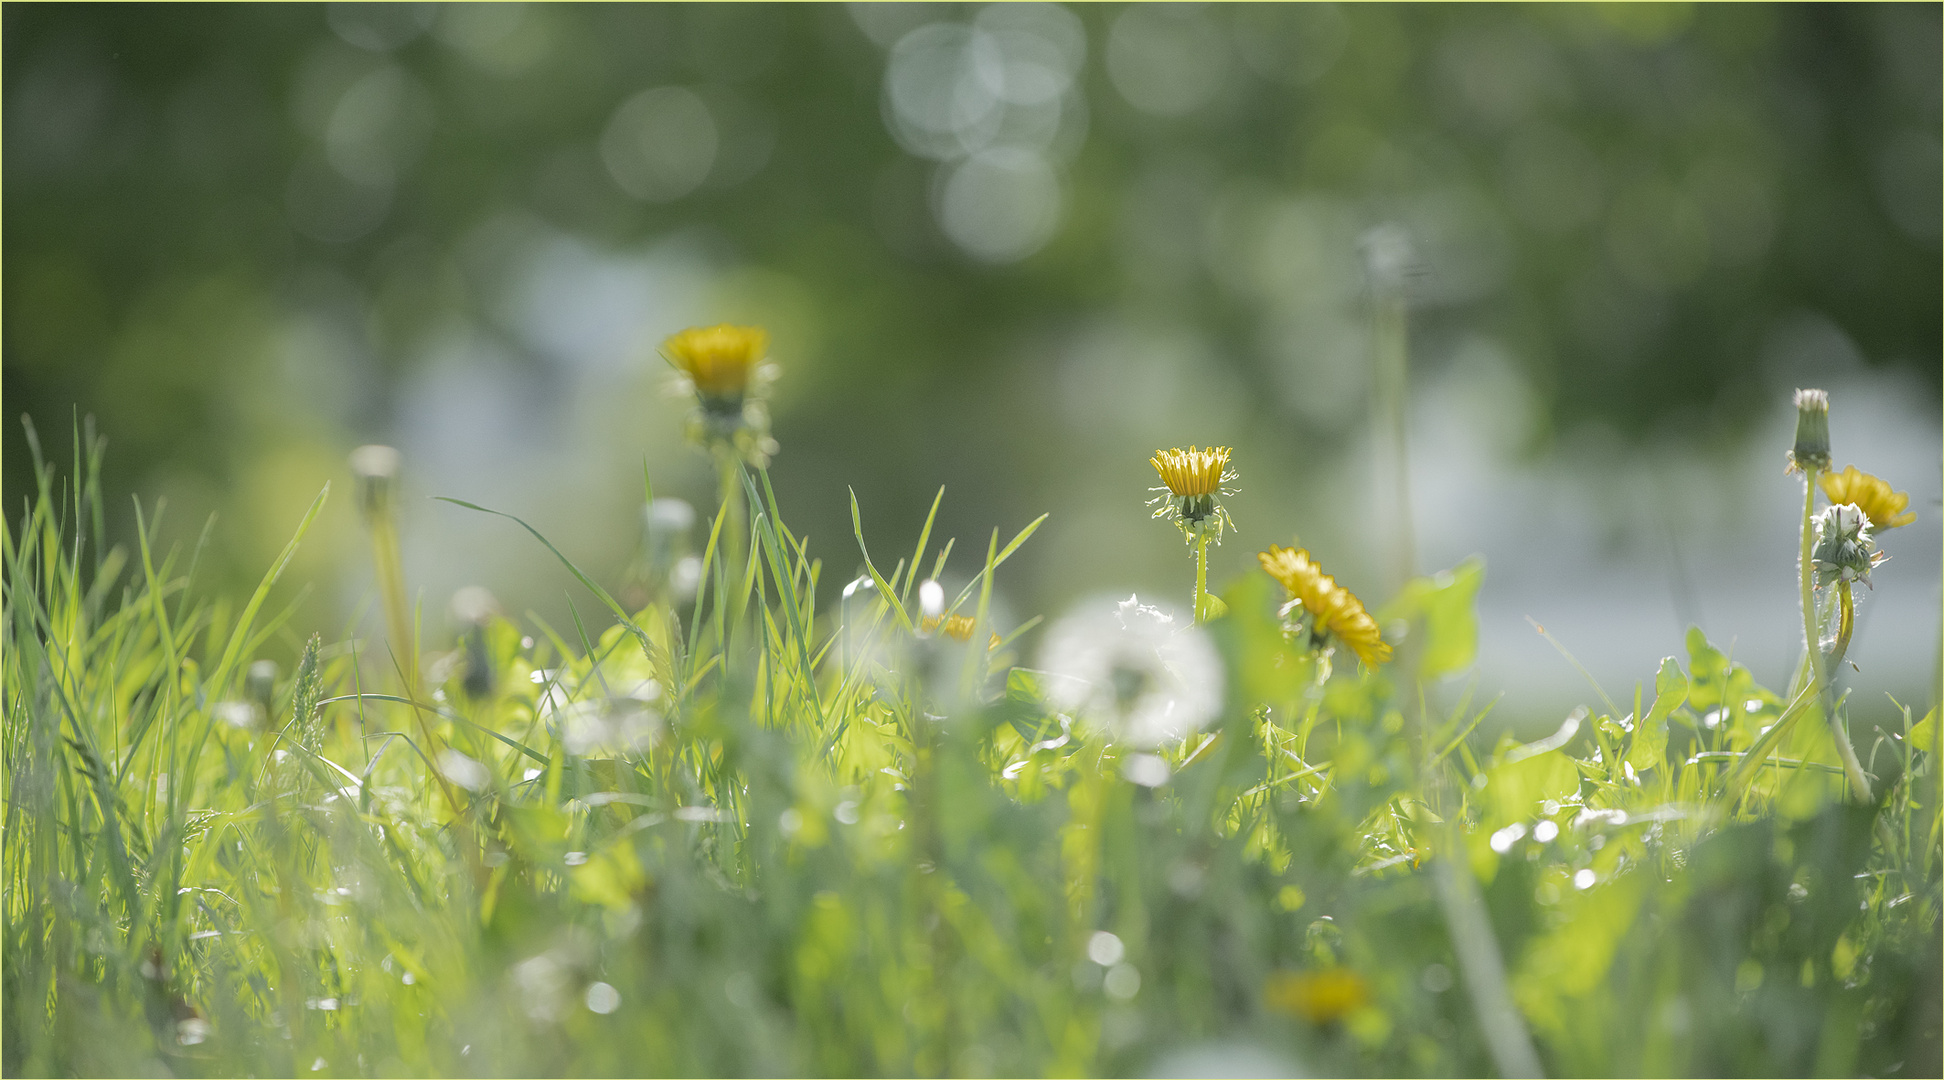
1212, 608
1516, 788
1670, 689
610, 878
1710, 670
1447, 607
1024, 685
1923, 735
1649, 745
1268, 669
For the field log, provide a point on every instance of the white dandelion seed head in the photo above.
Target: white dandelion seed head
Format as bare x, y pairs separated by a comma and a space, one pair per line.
1129, 673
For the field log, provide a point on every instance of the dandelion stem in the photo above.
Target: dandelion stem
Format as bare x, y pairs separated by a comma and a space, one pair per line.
1845, 625
1201, 577
1812, 639
735, 529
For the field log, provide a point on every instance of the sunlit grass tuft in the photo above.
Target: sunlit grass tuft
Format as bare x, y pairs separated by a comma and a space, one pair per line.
788, 825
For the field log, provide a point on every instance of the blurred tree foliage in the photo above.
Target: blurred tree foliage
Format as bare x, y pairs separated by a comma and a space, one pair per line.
1630, 197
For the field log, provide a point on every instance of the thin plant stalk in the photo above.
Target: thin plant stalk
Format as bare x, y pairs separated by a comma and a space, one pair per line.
729, 481
1845, 625
1480, 961
1201, 577
389, 566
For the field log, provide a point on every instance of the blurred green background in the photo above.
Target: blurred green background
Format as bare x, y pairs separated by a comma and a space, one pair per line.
1009, 249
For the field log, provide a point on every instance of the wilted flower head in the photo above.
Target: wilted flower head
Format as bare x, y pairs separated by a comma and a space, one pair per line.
1132, 674
1193, 479
1317, 996
725, 367
1885, 507
1844, 550
1327, 612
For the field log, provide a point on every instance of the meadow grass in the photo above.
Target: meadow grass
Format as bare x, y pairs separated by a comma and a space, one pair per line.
789, 826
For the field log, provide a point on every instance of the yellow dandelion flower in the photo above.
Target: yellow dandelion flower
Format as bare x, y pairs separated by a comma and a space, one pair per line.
724, 365
1334, 612
718, 359
1885, 508
956, 627
1192, 473
1319, 997
1194, 478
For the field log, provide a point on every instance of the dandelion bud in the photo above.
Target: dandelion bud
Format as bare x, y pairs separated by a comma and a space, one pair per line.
1812, 431
376, 468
